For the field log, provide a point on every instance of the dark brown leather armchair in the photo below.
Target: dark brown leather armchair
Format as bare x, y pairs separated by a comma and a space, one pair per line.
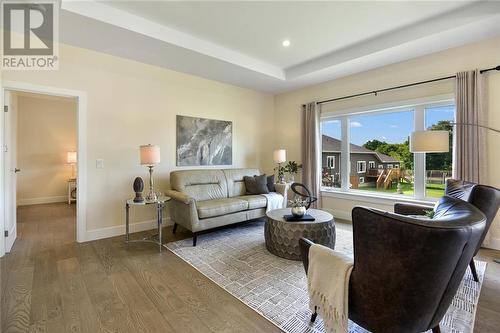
406, 270
486, 198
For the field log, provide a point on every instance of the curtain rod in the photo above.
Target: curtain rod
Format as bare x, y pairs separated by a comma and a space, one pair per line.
375, 92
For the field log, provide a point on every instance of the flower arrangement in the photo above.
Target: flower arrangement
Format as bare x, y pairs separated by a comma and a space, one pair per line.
298, 202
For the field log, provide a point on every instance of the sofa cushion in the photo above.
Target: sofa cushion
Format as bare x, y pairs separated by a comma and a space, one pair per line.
218, 207
234, 179
254, 201
200, 184
270, 183
256, 184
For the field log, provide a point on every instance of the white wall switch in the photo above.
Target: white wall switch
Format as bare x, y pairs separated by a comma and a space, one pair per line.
99, 163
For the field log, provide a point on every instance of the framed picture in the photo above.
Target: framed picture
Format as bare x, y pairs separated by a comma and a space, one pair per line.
202, 141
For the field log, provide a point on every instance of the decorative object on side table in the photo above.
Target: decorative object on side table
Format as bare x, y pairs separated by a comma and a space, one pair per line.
279, 156
138, 188
160, 203
150, 156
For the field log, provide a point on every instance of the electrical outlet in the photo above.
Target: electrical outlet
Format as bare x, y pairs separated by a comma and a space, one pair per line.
99, 163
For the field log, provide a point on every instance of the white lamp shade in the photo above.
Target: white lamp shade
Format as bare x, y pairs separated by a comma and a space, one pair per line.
430, 142
71, 157
279, 156
150, 154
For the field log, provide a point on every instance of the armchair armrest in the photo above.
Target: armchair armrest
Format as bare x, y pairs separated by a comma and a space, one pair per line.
179, 196
411, 209
305, 244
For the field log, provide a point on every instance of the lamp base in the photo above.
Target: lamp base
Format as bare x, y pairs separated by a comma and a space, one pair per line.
151, 197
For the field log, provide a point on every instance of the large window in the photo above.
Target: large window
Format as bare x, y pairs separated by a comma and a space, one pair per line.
438, 165
373, 149
331, 151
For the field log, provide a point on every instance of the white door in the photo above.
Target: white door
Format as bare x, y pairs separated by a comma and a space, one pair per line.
10, 168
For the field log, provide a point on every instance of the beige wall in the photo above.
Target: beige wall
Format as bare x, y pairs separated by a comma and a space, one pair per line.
46, 130
129, 104
478, 55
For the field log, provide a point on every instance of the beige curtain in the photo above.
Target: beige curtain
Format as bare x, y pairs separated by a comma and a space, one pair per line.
311, 149
470, 141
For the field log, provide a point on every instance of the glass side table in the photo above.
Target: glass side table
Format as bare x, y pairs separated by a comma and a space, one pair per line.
160, 205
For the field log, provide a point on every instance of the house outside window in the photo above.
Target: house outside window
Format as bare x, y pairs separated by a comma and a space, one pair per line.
330, 162
366, 139
361, 166
361, 180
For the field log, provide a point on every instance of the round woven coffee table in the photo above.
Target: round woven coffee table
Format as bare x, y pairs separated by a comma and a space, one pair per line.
282, 237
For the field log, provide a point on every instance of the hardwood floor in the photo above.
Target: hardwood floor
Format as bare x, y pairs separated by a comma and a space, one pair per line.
50, 283
53, 284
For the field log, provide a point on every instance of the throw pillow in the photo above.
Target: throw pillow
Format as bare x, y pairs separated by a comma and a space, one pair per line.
256, 184
270, 184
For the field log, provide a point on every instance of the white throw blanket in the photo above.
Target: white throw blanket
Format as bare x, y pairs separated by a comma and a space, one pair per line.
274, 201
328, 284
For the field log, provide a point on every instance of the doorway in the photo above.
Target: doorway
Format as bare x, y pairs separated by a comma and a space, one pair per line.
43, 168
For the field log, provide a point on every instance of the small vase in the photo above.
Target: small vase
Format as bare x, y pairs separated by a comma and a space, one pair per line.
298, 211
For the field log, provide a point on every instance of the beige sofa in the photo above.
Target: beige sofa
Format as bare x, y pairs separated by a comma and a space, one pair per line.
210, 198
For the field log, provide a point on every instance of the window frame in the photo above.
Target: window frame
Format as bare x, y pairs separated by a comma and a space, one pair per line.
358, 163
330, 157
418, 106
370, 163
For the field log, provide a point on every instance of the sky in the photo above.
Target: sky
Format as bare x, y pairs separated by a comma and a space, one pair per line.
389, 127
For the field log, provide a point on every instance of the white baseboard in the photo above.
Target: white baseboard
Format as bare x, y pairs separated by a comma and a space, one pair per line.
43, 200
119, 230
494, 244
339, 214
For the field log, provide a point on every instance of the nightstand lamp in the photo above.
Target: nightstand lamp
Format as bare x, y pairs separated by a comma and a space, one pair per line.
71, 159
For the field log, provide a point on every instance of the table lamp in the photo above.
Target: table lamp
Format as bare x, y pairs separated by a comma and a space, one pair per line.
150, 156
279, 156
430, 142
71, 159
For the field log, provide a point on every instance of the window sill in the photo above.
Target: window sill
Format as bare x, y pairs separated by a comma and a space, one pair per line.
376, 198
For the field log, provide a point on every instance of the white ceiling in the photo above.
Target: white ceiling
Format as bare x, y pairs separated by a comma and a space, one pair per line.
240, 42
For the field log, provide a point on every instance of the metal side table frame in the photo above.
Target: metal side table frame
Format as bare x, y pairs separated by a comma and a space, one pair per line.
156, 238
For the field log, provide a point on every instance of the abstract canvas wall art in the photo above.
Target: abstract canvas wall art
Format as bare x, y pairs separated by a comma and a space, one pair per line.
203, 141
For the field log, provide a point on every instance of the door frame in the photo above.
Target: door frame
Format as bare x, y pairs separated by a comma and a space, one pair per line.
81, 203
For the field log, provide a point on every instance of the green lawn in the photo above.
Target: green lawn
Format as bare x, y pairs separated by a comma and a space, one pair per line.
433, 190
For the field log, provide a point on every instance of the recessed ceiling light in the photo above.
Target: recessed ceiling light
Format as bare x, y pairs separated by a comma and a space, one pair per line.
286, 43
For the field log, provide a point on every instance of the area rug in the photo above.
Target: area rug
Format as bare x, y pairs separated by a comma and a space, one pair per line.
237, 260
